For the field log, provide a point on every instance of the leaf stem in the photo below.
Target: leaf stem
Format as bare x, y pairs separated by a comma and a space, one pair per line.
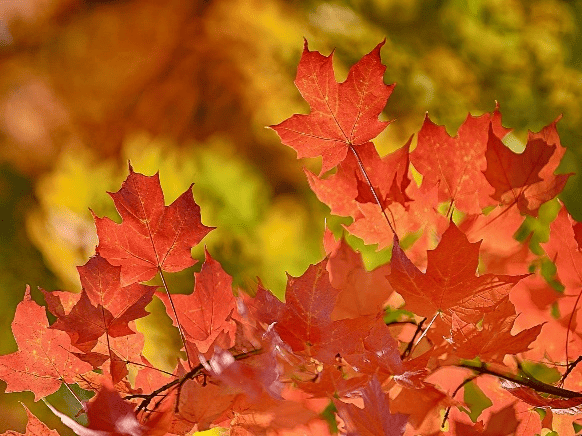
569, 369
408, 349
179, 325
72, 393
369, 182
425, 331
467, 380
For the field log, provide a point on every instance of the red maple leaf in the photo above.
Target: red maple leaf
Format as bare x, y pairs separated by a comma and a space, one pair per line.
342, 114
563, 249
420, 216
309, 301
152, 236
102, 283
199, 404
493, 340
346, 189
455, 164
501, 423
207, 314
304, 322
44, 359
525, 179
450, 284
362, 292
380, 354
104, 307
375, 418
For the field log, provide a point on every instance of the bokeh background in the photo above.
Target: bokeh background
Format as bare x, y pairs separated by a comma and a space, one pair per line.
187, 87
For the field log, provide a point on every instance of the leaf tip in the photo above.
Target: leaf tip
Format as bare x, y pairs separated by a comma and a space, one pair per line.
27, 295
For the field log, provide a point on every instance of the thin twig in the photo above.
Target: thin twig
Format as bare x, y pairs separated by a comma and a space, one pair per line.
569, 369
197, 370
467, 380
532, 383
176, 315
408, 349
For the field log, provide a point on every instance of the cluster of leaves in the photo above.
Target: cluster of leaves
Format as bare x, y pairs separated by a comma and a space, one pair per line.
350, 351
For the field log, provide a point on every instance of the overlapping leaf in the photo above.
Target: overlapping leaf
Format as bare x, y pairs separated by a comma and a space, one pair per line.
207, 314
526, 179
455, 164
375, 418
44, 359
493, 340
450, 284
362, 292
104, 307
304, 321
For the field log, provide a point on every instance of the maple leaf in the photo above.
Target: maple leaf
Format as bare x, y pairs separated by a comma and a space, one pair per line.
421, 406
304, 322
309, 301
380, 354
342, 114
361, 292
345, 189
120, 351
85, 323
564, 250
450, 284
493, 340
102, 283
420, 216
291, 417
518, 178
200, 404
207, 314
34, 427
152, 236
104, 306
500, 251
44, 359
528, 419
501, 423
455, 164
375, 418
